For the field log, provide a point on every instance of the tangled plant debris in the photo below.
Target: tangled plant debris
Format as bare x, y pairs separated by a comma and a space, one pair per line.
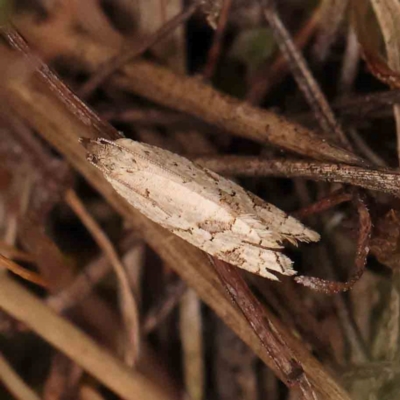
294, 102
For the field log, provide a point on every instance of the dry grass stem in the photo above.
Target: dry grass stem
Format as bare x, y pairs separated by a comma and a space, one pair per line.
14, 384
84, 283
22, 272
75, 344
12, 252
159, 312
128, 303
129, 53
303, 76
215, 49
267, 77
191, 333
286, 362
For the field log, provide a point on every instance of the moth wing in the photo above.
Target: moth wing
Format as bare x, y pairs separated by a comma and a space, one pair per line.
259, 260
160, 160
264, 215
210, 185
288, 227
139, 201
270, 222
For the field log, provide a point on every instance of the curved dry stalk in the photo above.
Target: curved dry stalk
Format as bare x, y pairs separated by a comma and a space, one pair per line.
365, 227
13, 382
22, 272
128, 302
76, 344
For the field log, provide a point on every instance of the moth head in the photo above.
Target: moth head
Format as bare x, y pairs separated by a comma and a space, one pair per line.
101, 153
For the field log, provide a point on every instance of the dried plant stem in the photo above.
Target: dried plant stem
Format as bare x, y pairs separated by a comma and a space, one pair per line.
88, 392
269, 76
216, 46
285, 361
22, 272
83, 284
157, 314
324, 204
128, 303
14, 384
75, 344
365, 150
360, 259
307, 84
129, 53
360, 106
12, 252
191, 334
185, 94
385, 180
350, 62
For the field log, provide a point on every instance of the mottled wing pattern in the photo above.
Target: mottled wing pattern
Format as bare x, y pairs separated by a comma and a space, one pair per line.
207, 210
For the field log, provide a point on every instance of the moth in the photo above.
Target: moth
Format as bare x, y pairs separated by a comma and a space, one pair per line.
207, 210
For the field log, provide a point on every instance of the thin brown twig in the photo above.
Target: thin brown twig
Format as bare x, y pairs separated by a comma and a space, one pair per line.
286, 362
10, 251
69, 99
22, 272
84, 283
365, 150
384, 180
63, 379
128, 303
216, 46
303, 76
357, 109
169, 300
267, 77
326, 203
145, 117
129, 53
